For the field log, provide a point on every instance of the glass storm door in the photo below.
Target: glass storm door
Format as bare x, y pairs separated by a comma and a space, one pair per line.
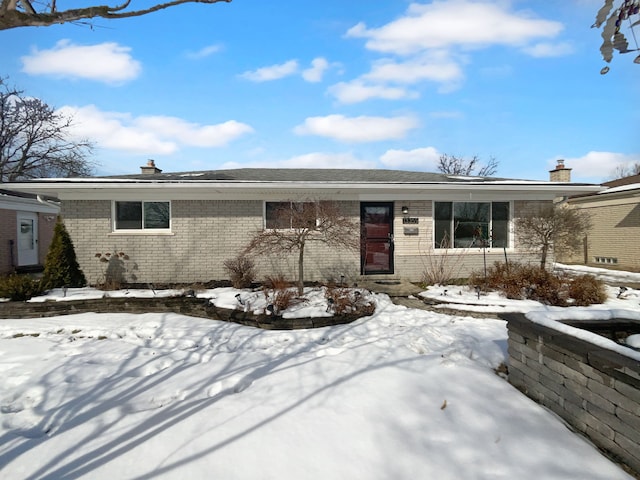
27, 238
377, 238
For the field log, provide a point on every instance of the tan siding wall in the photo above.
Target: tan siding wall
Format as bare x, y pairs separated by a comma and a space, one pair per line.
615, 233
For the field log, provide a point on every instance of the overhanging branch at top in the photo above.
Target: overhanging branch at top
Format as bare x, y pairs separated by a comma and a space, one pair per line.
22, 13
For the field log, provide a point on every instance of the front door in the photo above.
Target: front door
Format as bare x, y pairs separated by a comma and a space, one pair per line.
27, 238
377, 238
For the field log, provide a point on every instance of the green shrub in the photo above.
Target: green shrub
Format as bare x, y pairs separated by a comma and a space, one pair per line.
19, 288
587, 290
61, 267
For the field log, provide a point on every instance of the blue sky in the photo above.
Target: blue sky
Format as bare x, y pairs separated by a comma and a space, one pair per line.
337, 84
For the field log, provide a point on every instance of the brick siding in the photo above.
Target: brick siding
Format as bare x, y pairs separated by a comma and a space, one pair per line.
205, 233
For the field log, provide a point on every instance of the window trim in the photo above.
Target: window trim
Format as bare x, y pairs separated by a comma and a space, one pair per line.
509, 233
142, 230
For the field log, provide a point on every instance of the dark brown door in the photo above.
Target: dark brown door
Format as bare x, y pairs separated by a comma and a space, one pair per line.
377, 238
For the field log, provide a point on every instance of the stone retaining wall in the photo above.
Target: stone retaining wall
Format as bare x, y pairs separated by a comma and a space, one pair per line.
197, 307
596, 390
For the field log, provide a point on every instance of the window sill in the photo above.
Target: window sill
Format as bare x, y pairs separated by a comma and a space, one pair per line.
141, 233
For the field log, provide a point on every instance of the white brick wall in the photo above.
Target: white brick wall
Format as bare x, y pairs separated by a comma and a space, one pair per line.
205, 233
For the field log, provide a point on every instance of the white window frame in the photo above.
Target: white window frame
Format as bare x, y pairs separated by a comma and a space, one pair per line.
142, 230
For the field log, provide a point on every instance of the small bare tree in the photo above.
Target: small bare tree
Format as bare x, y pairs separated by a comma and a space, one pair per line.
553, 228
453, 165
35, 140
295, 224
23, 13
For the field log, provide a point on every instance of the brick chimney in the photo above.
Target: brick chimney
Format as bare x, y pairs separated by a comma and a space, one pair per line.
560, 173
150, 168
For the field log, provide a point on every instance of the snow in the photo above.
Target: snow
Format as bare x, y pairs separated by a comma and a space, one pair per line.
402, 394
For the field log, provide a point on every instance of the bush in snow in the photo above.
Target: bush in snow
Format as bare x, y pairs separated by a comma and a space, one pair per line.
587, 290
347, 300
280, 295
519, 281
61, 267
19, 288
241, 270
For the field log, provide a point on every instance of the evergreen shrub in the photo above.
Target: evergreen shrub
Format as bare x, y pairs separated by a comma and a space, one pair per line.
61, 267
19, 288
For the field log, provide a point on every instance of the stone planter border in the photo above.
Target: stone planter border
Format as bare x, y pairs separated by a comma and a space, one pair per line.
594, 389
197, 307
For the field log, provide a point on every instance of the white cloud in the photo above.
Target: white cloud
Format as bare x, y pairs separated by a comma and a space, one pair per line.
438, 68
149, 134
314, 74
309, 160
273, 72
105, 62
357, 91
545, 49
432, 42
385, 76
597, 166
204, 52
423, 158
357, 129
462, 23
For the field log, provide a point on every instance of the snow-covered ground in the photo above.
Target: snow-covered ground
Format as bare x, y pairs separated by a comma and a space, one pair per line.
403, 394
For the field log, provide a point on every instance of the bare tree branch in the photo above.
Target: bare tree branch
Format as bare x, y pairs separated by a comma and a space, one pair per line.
298, 223
21, 13
34, 140
454, 165
553, 228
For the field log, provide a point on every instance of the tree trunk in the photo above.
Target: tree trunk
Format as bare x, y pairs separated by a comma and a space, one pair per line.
301, 270
543, 257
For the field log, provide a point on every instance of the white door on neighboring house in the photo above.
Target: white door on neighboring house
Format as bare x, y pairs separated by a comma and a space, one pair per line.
27, 238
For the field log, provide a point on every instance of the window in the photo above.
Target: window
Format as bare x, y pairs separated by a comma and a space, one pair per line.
471, 224
142, 215
288, 215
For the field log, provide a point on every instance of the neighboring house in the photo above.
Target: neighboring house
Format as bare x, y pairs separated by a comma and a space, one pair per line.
614, 237
181, 227
26, 229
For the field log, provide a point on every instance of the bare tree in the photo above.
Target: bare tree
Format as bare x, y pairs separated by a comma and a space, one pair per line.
628, 170
35, 140
23, 13
553, 228
453, 165
292, 225
611, 20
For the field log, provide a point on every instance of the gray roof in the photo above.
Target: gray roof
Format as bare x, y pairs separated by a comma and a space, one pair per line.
333, 175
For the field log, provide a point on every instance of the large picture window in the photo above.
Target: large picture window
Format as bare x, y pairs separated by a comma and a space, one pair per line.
289, 215
142, 215
471, 224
